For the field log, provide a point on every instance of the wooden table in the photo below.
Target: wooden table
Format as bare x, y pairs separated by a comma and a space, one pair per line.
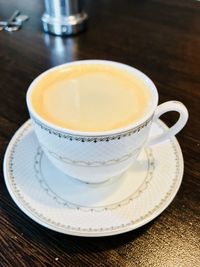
161, 38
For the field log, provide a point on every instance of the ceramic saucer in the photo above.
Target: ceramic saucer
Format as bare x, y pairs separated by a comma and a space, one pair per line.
68, 206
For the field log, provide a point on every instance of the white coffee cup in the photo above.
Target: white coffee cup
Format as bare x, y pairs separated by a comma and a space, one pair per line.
95, 157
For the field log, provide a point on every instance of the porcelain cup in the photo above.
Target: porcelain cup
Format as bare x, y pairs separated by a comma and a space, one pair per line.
94, 157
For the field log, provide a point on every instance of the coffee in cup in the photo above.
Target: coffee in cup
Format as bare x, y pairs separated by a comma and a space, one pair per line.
91, 97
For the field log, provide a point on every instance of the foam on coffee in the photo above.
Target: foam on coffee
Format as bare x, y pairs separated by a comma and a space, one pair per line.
90, 97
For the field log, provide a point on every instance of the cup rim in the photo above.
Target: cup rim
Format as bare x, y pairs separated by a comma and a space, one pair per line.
148, 82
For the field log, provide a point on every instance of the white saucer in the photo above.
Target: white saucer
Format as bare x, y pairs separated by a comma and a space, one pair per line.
68, 206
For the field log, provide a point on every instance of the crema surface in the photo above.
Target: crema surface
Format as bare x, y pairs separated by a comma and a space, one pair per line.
90, 97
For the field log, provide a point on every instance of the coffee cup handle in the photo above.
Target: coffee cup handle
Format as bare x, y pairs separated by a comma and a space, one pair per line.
164, 108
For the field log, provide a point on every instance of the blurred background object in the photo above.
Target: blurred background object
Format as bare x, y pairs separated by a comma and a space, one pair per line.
64, 17
14, 23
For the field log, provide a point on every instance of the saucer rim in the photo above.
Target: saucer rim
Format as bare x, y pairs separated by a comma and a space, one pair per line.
109, 232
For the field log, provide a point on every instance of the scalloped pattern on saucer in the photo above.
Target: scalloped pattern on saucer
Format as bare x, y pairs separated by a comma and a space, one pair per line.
66, 205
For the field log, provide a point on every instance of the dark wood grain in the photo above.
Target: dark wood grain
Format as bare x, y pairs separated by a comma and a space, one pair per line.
161, 38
